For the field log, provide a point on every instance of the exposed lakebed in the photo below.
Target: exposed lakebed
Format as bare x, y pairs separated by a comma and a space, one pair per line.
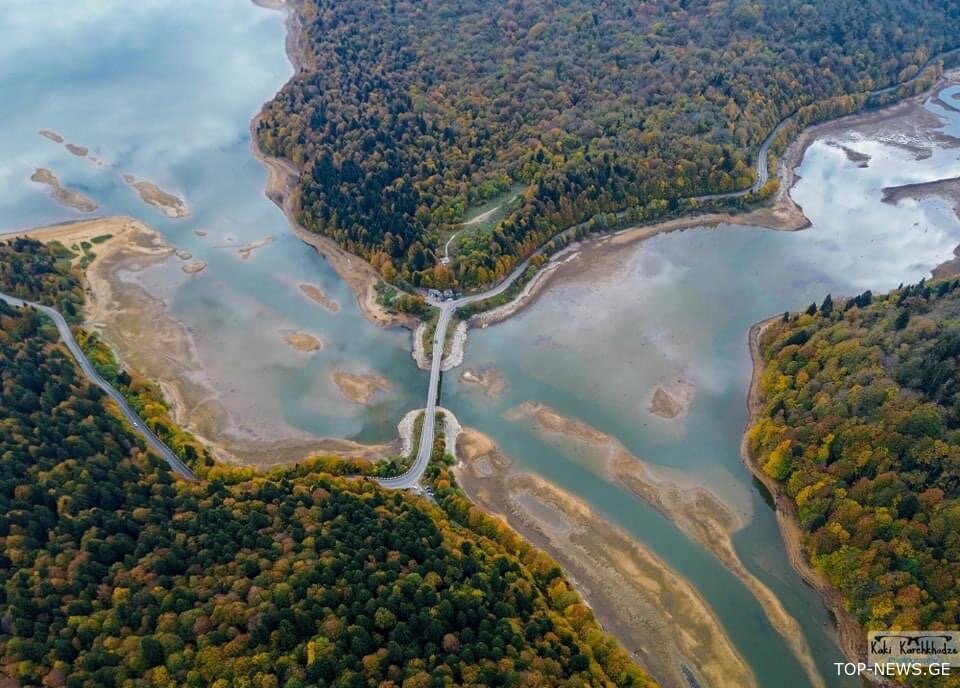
616, 324
619, 320
163, 95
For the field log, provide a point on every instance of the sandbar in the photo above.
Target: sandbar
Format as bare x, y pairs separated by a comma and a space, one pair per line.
317, 295
672, 398
651, 609
487, 378
52, 135
61, 194
948, 189
694, 509
861, 159
247, 251
151, 194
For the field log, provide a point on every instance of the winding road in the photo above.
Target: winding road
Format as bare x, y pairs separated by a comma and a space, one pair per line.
91, 373
411, 478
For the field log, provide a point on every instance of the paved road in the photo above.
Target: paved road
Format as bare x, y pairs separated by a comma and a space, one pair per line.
447, 308
87, 367
411, 479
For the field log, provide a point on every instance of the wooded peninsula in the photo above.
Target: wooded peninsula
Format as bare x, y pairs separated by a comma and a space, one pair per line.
402, 116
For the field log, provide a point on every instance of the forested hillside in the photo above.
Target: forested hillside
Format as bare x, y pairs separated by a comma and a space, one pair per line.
35, 272
408, 111
861, 424
114, 573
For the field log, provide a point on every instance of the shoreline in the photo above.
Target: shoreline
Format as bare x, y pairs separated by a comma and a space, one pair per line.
624, 582
850, 636
280, 188
693, 508
784, 214
164, 352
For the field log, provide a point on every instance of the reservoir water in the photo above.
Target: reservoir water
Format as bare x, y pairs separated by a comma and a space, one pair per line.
678, 306
165, 91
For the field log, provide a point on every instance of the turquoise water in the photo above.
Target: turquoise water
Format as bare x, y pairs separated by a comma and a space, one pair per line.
166, 90
679, 306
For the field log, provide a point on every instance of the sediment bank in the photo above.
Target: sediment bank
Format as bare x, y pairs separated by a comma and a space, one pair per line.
652, 610
691, 507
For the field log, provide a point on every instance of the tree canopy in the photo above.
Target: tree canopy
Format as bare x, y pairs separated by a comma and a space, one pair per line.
407, 112
861, 424
115, 573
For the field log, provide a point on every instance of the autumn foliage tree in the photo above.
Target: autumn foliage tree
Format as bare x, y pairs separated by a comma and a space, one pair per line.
861, 425
408, 112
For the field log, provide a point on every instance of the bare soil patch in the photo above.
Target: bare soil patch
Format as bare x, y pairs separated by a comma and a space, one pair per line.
360, 388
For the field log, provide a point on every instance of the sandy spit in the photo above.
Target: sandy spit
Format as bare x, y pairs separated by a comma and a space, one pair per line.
652, 610
693, 508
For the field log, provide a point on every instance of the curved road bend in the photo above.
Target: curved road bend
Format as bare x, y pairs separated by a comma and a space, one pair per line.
411, 478
86, 366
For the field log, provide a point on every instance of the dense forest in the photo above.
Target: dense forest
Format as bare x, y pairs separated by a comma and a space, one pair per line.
861, 423
407, 112
115, 573
41, 273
